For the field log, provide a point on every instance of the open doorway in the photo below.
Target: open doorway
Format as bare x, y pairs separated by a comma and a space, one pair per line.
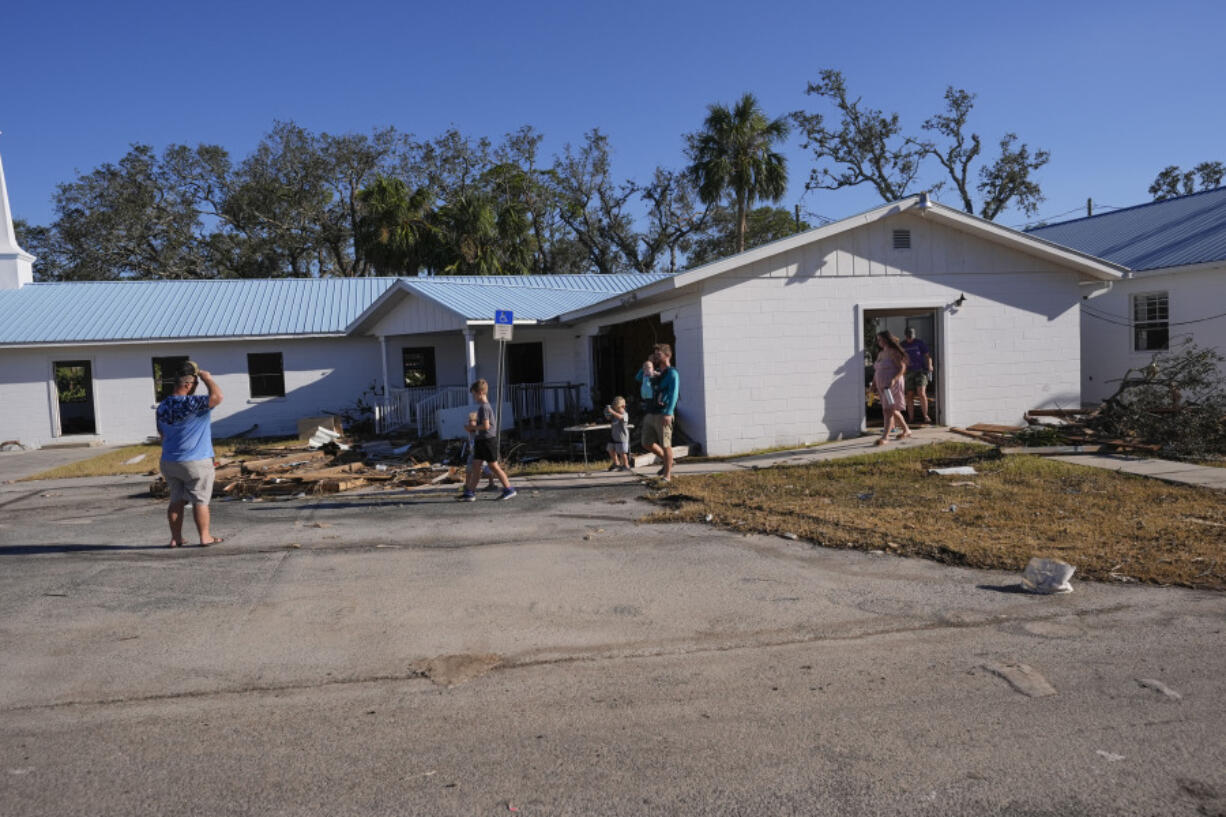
618, 353
927, 331
74, 387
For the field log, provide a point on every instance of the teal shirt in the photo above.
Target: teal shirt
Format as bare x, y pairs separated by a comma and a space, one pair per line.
666, 388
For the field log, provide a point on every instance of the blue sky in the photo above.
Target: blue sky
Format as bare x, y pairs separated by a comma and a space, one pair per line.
1115, 91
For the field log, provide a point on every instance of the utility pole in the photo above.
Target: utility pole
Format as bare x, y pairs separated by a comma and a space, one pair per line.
797, 209
1089, 207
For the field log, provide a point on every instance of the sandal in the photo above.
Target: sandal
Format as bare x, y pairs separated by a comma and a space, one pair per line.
881, 441
216, 540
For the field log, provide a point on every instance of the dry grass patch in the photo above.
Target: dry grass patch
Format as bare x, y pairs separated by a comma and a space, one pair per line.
1108, 525
115, 462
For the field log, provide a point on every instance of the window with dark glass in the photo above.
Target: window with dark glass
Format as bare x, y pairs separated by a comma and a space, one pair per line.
418, 366
266, 373
1151, 322
166, 375
525, 363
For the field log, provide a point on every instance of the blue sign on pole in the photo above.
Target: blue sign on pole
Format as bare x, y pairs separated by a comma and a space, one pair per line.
503, 316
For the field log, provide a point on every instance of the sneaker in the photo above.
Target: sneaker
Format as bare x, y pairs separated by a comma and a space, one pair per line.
493, 486
660, 473
509, 493
614, 467
467, 496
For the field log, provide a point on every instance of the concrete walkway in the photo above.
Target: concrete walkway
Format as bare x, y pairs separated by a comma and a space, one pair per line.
1185, 473
1180, 472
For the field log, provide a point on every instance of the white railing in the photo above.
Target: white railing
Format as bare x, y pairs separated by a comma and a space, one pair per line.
399, 408
426, 411
532, 404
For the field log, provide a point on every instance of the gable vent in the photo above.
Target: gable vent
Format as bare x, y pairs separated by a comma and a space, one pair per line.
902, 239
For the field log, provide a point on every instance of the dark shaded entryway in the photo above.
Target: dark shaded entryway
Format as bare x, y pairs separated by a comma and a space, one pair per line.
618, 353
74, 384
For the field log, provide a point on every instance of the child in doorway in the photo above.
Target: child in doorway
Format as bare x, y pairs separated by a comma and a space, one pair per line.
619, 442
485, 432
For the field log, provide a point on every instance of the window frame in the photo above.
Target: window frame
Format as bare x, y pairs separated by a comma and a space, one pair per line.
272, 383
429, 369
169, 383
516, 363
1146, 309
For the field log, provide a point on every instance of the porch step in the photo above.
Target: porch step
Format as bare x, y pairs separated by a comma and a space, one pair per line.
74, 444
643, 460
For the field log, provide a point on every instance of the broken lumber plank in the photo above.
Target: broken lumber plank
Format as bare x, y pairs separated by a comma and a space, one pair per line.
984, 437
995, 429
336, 486
1051, 450
284, 462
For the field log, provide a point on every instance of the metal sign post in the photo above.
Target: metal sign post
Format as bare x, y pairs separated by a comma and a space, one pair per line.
504, 322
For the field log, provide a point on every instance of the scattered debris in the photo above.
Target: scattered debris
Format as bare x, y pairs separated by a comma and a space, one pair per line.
134, 460
298, 471
790, 535
1048, 576
12, 445
964, 484
1158, 686
956, 471
1110, 756
1023, 679
950, 509
325, 436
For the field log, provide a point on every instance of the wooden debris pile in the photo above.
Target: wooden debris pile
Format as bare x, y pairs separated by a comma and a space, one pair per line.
1072, 433
296, 470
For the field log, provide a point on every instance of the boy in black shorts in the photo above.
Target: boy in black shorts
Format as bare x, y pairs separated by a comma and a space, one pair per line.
486, 434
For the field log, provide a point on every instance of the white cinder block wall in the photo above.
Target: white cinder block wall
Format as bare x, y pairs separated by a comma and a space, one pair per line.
1107, 347
781, 338
321, 374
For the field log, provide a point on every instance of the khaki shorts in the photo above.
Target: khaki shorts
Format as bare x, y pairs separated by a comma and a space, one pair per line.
190, 481
655, 431
917, 381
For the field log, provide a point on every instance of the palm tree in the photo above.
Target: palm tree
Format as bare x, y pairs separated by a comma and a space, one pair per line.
733, 155
395, 233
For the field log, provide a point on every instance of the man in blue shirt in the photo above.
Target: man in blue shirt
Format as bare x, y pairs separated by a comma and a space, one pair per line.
660, 410
184, 424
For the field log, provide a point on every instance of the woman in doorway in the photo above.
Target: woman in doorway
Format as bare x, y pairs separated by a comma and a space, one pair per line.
888, 382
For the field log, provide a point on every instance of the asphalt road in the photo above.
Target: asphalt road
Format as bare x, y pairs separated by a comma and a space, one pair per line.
407, 654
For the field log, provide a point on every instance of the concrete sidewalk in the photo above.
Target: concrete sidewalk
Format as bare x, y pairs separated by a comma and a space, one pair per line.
1184, 473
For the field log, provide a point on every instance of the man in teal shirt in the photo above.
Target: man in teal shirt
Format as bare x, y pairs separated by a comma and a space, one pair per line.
185, 425
661, 409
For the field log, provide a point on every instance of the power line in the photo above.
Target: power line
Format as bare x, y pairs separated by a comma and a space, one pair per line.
1121, 320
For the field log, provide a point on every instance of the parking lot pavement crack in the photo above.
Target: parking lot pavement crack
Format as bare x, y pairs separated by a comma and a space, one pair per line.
562, 655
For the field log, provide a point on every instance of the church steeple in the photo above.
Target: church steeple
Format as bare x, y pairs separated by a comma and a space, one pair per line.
16, 265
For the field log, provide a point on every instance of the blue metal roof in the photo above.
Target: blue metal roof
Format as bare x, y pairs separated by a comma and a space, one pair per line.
1171, 233
102, 311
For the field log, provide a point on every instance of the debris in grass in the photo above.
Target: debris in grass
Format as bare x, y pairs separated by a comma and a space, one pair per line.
1158, 686
1047, 576
790, 535
134, 460
956, 471
964, 484
952, 509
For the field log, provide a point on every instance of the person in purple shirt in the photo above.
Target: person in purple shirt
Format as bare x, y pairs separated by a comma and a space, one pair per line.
919, 373
184, 421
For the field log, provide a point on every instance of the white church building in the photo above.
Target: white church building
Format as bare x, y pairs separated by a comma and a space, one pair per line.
770, 344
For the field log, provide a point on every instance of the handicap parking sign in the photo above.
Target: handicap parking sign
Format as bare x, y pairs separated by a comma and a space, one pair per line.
503, 320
